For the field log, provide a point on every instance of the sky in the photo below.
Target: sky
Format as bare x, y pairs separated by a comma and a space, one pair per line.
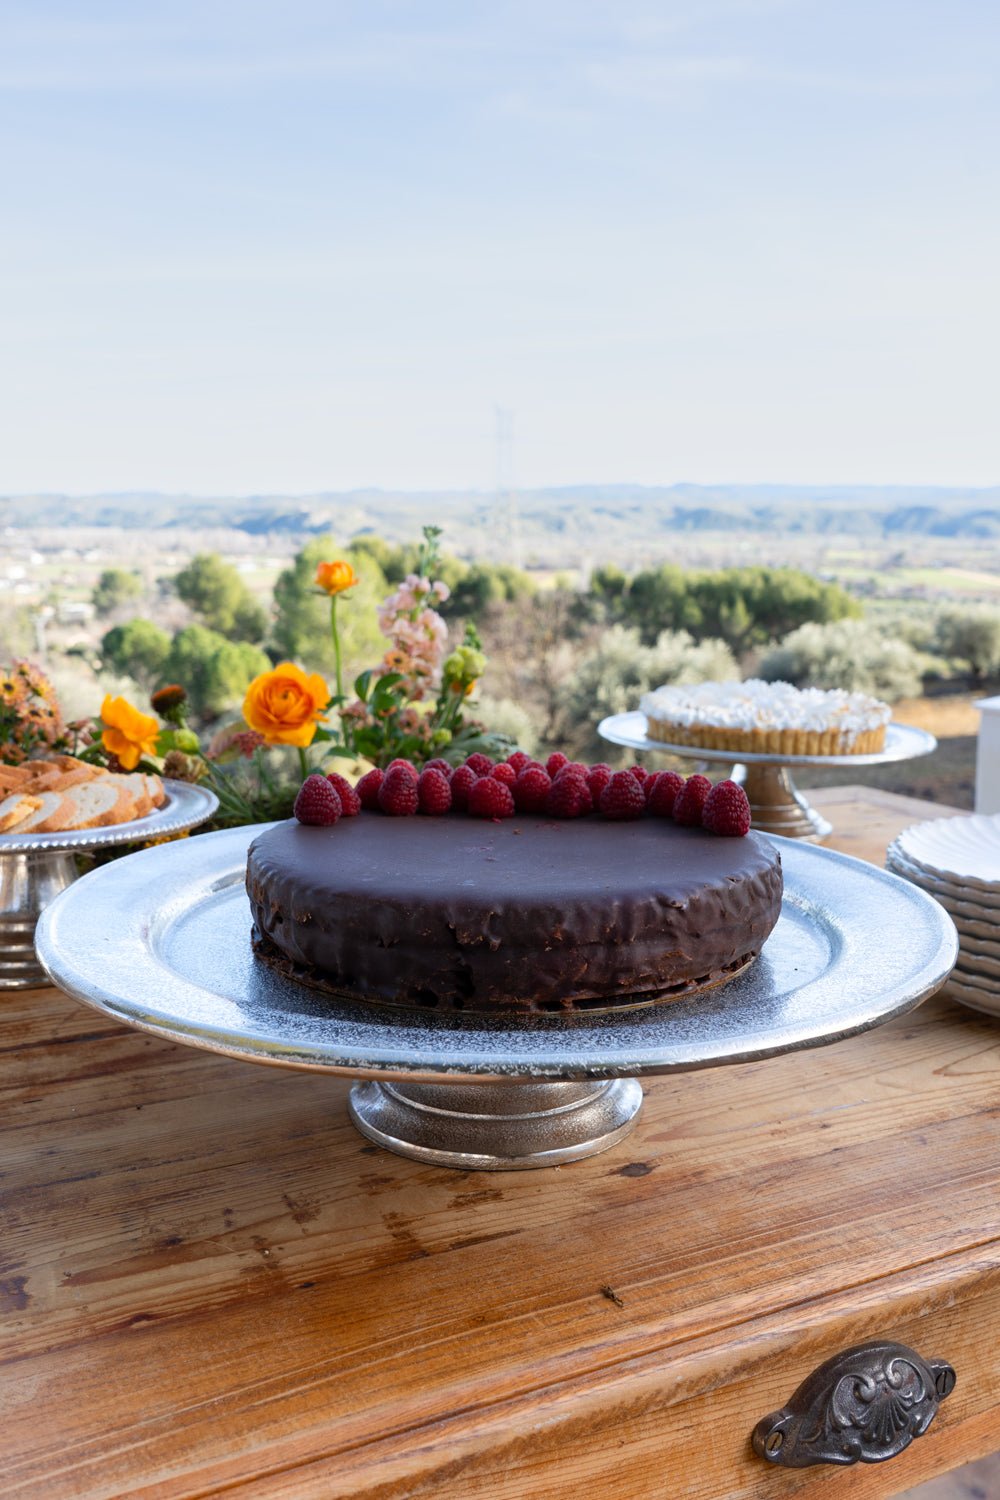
311, 245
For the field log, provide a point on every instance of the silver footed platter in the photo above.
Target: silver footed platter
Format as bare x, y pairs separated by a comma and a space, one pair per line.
776, 804
36, 867
161, 941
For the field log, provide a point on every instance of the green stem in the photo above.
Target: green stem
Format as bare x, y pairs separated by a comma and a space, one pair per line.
303, 763
336, 645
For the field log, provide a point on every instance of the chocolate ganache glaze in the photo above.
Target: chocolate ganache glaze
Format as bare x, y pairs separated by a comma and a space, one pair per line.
523, 915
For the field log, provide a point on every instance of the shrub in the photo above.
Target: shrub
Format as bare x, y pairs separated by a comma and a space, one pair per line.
614, 674
137, 649
971, 636
504, 716
845, 654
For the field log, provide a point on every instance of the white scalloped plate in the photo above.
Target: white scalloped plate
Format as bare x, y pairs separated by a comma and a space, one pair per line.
976, 963
972, 903
972, 996
979, 947
965, 849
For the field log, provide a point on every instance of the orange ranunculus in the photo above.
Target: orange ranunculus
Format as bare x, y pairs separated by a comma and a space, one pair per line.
335, 577
128, 733
285, 705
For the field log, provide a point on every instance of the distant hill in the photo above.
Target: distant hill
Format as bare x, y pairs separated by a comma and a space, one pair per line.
565, 516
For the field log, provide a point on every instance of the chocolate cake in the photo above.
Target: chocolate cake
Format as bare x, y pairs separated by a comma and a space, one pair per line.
524, 915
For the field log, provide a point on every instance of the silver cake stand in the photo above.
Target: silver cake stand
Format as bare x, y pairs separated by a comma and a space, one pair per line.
36, 867
776, 804
161, 941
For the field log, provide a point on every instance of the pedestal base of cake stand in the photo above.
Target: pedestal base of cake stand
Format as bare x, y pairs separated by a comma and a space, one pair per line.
777, 805
28, 882
496, 1127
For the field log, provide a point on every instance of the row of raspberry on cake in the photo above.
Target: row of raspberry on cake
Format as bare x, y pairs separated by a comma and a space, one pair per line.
560, 788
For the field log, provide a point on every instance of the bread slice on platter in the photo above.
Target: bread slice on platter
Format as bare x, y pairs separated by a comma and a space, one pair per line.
62, 793
101, 803
54, 815
13, 778
14, 808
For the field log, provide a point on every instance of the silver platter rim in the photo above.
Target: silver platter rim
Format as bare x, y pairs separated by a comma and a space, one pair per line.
105, 940
903, 742
186, 806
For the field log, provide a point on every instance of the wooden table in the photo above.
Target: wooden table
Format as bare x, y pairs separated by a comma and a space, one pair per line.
211, 1284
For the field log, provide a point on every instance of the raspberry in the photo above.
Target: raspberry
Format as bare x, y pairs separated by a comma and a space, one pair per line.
640, 773
597, 779
691, 800
368, 788
350, 802
437, 764
397, 795
405, 765
481, 764
568, 797
727, 810
463, 780
572, 768
317, 803
504, 773
623, 797
555, 763
661, 793
518, 760
433, 792
531, 789
490, 799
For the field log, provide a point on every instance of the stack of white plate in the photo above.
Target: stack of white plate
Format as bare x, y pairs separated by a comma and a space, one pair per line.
958, 861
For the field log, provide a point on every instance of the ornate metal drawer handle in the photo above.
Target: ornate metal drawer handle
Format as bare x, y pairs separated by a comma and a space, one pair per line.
863, 1406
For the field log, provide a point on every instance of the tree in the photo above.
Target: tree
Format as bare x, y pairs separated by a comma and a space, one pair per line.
846, 654
114, 588
137, 649
301, 630
475, 588
972, 636
612, 677
215, 672
745, 607
215, 591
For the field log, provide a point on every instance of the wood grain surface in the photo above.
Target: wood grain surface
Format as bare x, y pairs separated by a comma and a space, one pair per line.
211, 1285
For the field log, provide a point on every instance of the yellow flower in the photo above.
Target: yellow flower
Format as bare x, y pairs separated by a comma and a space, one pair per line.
285, 705
128, 733
335, 577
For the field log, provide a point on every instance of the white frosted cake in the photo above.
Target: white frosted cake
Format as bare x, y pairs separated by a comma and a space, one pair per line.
767, 717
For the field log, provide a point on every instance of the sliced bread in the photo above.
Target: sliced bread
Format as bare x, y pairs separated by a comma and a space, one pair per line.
135, 784
13, 777
156, 790
15, 808
54, 815
101, 803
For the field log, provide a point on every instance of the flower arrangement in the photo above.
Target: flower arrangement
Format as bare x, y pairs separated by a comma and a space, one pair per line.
412, 705
30, 716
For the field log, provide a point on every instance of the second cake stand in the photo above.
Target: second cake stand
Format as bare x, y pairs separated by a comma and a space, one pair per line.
161, 941
776, 804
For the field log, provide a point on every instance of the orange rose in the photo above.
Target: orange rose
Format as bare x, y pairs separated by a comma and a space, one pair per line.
285, 705
128, 734
335, 577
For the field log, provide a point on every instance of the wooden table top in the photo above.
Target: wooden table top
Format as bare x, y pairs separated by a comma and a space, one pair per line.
212, 1285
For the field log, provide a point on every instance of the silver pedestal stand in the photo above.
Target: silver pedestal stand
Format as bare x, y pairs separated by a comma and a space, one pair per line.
776, 804
36, 868
161, 941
